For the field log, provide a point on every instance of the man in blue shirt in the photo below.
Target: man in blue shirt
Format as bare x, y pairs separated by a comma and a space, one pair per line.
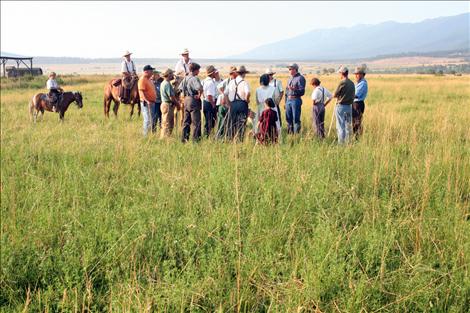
358, 104
295, 89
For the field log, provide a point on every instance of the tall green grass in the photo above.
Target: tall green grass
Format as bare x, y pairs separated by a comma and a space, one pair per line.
96, 218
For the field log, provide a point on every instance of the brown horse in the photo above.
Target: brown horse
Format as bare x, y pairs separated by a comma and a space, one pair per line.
40, 103
111, 93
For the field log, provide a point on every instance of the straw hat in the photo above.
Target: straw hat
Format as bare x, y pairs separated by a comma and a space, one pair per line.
127, 53
360, 70
269, 71
168, 72
211, 70
52, 74
185, 51
343, 69
233, 69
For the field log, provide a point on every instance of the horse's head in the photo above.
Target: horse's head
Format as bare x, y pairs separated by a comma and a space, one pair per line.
77, 95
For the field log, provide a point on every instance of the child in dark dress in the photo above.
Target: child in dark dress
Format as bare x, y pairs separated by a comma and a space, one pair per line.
267, 124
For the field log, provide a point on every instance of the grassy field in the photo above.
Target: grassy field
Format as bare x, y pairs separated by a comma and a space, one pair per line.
96, 218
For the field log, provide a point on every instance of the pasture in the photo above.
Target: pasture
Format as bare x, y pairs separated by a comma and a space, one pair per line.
94, 217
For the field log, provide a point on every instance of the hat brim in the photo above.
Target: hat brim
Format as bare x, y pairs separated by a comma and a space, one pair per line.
125, 55
359, 72
243, 72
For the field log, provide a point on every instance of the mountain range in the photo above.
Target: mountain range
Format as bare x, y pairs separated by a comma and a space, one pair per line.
450, 33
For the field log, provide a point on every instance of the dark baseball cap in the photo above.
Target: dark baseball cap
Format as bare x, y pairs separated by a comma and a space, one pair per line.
148, 68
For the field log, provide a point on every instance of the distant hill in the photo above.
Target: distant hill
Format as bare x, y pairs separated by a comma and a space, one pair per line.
366, 41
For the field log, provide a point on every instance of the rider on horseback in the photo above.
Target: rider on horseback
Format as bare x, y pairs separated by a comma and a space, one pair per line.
54, 91
128, 72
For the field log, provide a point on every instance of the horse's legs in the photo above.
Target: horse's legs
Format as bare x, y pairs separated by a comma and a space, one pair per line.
115, 107
61, 115
42, 113
107, 106
132, 110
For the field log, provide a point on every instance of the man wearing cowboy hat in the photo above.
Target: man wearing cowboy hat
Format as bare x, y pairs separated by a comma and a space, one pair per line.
191, 88
344, 95
358, 105
148, 96
223, 103
182, 66
209, 99
278, 91
127, 70
238, 92
169, 103
294, 91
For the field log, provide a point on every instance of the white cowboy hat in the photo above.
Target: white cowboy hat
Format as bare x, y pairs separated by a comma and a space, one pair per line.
185, 51
269, 71
127, 53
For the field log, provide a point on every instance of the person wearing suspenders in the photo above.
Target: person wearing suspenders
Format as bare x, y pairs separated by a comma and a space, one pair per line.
191, 88
223, 103
182, 66
238, 92
319, 95
127, 71
209, 105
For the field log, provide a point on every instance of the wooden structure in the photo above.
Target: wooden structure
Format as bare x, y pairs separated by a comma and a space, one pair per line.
18, 60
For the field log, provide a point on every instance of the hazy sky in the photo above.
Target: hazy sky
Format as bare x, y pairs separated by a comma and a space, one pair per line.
208, 29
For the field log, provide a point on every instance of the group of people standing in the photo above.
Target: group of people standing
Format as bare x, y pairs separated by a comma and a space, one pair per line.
225, 102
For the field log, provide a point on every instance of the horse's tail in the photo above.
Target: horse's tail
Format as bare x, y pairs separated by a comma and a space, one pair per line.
31, 108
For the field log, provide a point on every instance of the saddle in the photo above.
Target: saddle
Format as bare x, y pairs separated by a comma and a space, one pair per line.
116, 82
50, 100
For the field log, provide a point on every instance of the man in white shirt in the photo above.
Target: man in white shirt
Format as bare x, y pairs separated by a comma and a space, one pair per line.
320, 99
238, 93
128, 71
223, 103
182, 66
278, 92
210, 98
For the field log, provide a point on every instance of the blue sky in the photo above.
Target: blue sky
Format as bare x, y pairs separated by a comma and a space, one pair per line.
208, 29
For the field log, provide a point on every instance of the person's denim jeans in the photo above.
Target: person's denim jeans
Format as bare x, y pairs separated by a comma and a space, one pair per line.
293, 111
145, 110
156, 117
343, 122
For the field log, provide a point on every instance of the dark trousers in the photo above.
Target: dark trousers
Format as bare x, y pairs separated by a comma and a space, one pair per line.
358, 108
238, 114
210, 116
319, 119
293, 111
156, 116
192, 119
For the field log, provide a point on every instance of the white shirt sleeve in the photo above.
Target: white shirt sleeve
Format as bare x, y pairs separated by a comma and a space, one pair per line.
178, 67
246, 87
209, 88
123, 67
328, 94
316, 95
279, 86
52, 83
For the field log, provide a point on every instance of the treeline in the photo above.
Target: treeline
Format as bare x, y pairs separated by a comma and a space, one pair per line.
450, 69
